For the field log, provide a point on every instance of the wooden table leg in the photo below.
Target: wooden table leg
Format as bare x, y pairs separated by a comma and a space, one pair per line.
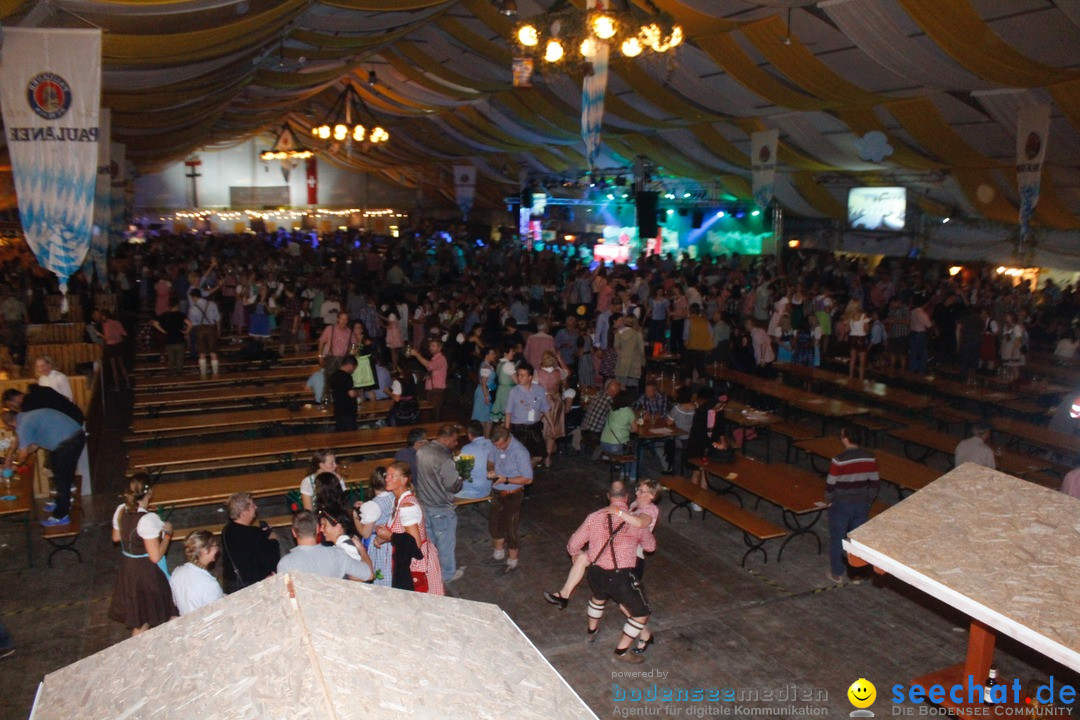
980, 652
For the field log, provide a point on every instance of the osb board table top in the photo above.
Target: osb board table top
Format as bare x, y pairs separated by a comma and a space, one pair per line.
302, 647
998, 548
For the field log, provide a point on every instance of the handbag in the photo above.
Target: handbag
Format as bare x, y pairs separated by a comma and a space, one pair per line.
419, 581
405, 411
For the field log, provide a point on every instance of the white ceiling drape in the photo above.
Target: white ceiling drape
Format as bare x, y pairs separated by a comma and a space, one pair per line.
876, 26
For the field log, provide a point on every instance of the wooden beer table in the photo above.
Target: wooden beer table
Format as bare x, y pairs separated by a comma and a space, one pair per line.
278, 450
999, 549
906, 475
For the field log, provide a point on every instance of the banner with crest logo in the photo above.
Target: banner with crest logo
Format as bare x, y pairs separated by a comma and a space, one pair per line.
50, 92
763, 165
1032, 130
465, 188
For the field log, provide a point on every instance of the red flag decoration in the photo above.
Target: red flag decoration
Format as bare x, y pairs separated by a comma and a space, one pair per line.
312, 181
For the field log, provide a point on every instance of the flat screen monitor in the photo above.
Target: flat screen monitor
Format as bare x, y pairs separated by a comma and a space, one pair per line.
877, 208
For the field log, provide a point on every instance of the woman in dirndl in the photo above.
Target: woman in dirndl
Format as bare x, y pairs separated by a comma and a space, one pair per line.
484, 395
379, 510
142, 598
552, 377
505, 380
408, 519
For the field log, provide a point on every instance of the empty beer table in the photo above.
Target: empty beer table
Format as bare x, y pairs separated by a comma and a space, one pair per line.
251, 377
933, 441
240, 396
278, 450
903, 473
799, 494
1065, 445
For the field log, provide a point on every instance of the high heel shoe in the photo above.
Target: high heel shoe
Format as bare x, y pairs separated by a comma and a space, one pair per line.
642, 645
556, 599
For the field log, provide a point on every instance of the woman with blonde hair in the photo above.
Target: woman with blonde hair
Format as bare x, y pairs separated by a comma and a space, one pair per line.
192, 583
142, 598
858, 341
552, 377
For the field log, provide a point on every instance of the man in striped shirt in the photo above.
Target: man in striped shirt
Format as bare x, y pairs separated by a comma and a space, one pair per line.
612, 551
850, 488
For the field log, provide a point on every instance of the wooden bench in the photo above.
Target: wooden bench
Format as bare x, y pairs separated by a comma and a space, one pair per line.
617, 463
1028, 409
756, 530
946, 416
276, 521
56, 333
182, 534
871, 426
792, 432
62, 538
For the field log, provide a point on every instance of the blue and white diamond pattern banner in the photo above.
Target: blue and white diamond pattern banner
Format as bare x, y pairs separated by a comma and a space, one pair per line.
50, 92
593, 90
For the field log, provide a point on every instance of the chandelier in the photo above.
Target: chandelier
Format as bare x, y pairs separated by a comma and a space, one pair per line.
569, 33
338, 123
285, 148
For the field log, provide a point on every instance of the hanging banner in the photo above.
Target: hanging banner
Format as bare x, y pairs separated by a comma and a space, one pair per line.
99, 238
50, 92
593, 89
312, 169
118, 205
522, 72
465, 187
763, 165
1032, 131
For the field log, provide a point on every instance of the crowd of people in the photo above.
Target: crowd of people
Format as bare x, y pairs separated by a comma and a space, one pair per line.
530, 353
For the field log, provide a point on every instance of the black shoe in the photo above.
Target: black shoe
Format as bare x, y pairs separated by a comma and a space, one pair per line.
556, 599
590, 635
643, 645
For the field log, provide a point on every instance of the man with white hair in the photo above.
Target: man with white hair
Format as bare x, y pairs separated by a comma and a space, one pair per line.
48, 376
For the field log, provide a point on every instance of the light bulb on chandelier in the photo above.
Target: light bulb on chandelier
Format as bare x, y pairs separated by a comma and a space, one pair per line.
554, 51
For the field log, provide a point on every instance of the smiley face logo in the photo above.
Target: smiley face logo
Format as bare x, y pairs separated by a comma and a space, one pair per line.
862, 693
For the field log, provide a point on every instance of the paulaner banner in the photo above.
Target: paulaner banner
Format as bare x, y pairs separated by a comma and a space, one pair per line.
465, 188
763, 165
50, 91
1032, 131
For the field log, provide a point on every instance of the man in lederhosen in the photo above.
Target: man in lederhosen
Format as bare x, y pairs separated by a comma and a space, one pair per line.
612, 544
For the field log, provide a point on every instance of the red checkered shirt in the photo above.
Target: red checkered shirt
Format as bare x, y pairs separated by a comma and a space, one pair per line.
594, 533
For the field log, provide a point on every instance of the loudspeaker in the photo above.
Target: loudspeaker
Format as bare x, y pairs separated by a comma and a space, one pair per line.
696, 219
661, 217
646, 214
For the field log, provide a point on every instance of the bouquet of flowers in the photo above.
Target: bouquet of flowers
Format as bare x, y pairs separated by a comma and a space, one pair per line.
464, 465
